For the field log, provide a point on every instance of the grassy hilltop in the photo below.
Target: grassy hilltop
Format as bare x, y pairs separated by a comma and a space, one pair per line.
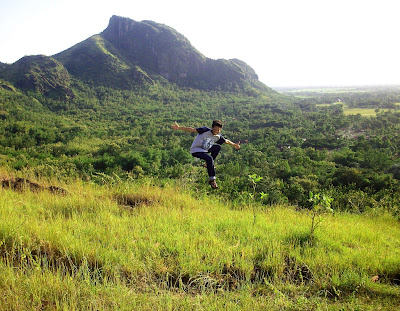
136, 245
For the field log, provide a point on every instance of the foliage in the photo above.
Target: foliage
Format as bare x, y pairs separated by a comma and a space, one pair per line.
294, 148
255, 179
320, 204
40, 74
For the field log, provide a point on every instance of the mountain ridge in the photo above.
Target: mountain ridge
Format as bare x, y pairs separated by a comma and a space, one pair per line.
128, 54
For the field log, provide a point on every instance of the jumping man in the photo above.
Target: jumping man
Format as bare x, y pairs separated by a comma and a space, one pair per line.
208, 140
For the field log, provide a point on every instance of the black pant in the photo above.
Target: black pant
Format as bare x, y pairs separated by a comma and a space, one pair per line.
214, 150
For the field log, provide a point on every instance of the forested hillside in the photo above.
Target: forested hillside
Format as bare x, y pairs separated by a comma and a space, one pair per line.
295, 148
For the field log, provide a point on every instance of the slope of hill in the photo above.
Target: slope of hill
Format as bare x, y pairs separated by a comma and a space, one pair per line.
40, 74
133, 245
95, 60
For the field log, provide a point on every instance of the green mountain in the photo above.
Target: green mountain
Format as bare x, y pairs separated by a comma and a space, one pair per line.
129, 53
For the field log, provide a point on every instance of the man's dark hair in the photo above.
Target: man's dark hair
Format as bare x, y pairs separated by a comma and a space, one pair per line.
217, 123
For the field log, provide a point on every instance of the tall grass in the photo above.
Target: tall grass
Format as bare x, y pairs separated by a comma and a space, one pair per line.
136, 245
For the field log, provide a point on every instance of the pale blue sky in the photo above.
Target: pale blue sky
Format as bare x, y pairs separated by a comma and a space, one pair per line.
287, 42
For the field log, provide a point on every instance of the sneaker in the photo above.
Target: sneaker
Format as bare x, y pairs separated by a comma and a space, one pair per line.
213, 184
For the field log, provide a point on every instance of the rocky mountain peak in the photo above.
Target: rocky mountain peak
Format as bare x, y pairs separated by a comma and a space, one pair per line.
118, 26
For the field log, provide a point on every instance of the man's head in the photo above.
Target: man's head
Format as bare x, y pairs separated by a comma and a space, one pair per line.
216, 127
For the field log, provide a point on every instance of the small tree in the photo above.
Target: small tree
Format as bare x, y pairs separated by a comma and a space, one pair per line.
320, 204
255, 179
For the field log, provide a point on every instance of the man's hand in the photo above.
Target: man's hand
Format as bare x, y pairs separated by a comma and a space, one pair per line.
237, 146
175, 126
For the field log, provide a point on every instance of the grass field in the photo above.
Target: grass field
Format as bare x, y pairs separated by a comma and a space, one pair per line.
366, 112
134, 245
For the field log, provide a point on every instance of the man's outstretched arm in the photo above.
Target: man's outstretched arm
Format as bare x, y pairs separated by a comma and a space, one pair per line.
183, 128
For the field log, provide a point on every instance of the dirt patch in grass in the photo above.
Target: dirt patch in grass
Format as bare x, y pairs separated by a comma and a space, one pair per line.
392, 279
295, 272
23, 184
46, 256
134, 200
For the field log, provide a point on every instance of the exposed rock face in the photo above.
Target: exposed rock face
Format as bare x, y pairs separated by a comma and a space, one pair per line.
249, 72
119, 27
3, 65
156, 48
